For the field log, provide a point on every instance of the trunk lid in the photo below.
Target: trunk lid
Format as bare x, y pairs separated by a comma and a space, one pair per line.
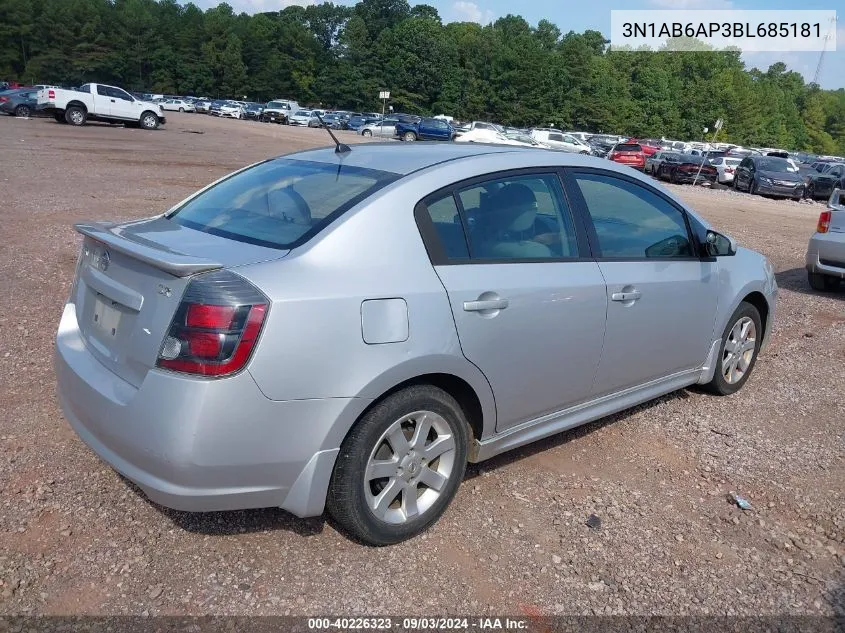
130, 280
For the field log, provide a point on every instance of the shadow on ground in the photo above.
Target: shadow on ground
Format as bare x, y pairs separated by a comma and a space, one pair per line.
795, 279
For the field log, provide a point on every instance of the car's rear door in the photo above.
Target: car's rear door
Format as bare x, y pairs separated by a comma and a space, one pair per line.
662, 297
528, 306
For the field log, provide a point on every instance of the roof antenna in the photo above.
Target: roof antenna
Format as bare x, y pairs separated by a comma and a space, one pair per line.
339, 148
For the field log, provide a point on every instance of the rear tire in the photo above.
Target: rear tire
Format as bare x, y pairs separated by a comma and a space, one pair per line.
752, 187
419, 479
60, 118
367, 133
742, 338
822, 283
75, 115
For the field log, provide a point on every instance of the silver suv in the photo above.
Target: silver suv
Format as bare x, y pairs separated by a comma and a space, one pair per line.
347, 329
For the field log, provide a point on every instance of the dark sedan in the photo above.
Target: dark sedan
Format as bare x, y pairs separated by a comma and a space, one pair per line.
654, 162
254, 110
768, 175
19, 102
336, 121
821, 185
687, 168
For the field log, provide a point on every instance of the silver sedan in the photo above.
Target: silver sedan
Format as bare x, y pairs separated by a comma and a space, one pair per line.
344, 330
384, 129
826, 251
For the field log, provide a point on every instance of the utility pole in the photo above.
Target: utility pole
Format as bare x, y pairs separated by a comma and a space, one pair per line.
716, 127
827, 38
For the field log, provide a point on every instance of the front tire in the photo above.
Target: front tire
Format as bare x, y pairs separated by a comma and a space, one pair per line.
822, 283
75, 115
752, 187
149, 121
59, 118
738, 353
22, 111
400, 466
181, 109
367, 133
409, 136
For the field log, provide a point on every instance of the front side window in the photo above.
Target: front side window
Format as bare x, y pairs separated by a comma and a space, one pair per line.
280, 203
632, 222
518, 218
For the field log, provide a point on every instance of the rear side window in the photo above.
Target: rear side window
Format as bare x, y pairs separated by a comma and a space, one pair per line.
518, 218
632, 222
447, 223
280, 203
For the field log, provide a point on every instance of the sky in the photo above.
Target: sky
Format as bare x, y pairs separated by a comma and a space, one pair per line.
576, 15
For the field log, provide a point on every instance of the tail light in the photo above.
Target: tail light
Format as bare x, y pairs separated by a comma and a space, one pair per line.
216, 326
51, 94
4, 99
824, 222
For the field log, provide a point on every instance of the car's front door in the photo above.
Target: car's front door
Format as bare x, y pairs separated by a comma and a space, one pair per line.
529, 308
103, 101
123, 105
662, 297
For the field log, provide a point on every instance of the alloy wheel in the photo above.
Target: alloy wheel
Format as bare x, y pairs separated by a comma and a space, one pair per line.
739, 350
409, 467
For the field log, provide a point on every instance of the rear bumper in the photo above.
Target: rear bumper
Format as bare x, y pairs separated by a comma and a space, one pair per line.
201, 445
685, 177
826, 254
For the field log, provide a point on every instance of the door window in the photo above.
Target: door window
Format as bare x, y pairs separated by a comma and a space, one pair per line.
518, 218
444, 216
632, 222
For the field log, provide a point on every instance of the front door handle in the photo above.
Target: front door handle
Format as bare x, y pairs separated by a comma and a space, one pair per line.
112, 100
631, 295
488, 304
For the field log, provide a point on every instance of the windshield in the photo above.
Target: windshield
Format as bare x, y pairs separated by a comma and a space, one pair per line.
773, 164
302, 113
280, 203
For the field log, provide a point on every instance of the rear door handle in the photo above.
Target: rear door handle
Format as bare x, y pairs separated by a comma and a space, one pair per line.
631, 295
112, 100
489, 304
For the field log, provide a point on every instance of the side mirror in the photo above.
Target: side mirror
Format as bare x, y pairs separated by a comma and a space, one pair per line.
718, 245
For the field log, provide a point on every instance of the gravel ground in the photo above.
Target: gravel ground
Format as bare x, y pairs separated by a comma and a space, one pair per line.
76, 538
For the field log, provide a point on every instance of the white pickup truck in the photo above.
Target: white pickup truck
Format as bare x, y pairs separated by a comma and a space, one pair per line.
98, 102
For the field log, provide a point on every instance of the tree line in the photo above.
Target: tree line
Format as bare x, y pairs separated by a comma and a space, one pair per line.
340, 56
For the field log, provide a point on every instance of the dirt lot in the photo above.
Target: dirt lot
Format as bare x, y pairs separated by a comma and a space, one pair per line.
75, 538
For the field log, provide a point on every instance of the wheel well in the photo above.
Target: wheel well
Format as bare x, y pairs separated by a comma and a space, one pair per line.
78, 104
456, 387
759, 301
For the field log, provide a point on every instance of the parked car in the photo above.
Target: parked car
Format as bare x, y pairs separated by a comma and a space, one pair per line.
22, 102
476, 125
202, 106
386, 128
214, 107
278, 111
726, 167
425, 130
304, 117
253, 111
688, 168
359, 121
648, 146
768, 175
98, 102
335, 121
555, 139
232, 110
630, 154
825, 259
821, 185
497, 138
178, 105
167, 355
653, 162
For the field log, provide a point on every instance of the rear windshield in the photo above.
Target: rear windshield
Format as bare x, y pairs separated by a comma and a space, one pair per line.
280, 203
773, 164
628, 147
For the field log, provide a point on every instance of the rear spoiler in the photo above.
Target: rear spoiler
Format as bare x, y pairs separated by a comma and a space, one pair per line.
177, 264
837, 200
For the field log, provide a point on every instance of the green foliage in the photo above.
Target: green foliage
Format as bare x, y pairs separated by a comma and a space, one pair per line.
340, 56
